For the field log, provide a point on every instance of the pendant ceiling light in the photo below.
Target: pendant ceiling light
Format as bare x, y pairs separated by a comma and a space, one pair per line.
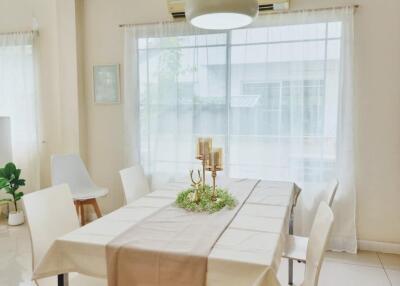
221, 14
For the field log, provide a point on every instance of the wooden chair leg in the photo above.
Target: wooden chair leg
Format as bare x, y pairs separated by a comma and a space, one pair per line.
82, 207
76, 203
96, 208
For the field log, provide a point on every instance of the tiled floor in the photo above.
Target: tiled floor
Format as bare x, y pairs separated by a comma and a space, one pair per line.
364, 269
15, 255
340, 269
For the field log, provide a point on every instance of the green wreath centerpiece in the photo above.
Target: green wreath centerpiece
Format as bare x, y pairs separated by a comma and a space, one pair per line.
203, 201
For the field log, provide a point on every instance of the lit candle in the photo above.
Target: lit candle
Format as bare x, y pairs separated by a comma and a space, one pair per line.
204, 146
216, 160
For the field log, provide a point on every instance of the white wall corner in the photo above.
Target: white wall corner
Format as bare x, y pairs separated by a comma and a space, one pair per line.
384, 247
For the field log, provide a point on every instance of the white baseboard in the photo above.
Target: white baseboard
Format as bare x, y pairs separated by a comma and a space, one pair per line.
377, 246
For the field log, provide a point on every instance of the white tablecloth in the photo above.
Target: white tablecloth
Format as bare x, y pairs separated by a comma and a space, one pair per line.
250, 247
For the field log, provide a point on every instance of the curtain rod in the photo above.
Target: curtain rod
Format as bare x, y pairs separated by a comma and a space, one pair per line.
356, 6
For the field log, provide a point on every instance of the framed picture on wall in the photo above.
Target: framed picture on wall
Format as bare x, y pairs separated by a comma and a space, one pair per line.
106, 87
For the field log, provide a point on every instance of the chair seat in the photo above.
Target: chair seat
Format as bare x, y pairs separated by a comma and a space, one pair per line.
296, 248
86, 194
74, 279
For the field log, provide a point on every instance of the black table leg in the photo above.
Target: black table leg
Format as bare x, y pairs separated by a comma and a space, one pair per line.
62, 279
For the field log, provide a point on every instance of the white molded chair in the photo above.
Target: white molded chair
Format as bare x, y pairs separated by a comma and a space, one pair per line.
291, 228
311, 250
303, 241
70, 169
50, 214
332, 189
134, 183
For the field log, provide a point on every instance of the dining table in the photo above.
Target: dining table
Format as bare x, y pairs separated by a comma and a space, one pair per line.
247, 252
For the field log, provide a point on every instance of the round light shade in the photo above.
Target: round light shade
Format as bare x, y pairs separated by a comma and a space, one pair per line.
221, 14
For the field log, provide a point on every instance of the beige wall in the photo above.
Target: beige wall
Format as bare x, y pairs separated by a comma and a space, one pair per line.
103, 44
100, 134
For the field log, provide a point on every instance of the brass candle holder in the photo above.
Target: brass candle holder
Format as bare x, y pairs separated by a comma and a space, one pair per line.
215, 165
196, 185
204, 146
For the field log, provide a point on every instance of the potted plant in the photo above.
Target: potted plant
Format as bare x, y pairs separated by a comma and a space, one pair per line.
10, 181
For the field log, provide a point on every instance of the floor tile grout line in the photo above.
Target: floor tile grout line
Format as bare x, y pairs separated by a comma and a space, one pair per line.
384, 269
352, 263
347, 262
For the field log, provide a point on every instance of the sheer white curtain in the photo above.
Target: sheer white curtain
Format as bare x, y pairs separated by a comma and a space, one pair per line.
19, 102
276, 95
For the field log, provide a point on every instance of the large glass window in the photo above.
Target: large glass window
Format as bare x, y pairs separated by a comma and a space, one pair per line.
268, 95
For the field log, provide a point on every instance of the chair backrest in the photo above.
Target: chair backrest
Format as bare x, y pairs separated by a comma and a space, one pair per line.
134, 183
50, 214
331, 191
317, 242
70, 169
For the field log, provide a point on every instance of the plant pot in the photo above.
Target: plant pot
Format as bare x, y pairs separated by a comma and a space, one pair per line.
16, 218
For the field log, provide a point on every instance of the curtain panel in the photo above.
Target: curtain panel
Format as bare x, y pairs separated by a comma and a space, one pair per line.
277, 96
18, 97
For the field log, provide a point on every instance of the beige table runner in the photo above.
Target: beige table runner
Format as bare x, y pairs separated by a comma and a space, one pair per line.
170, 248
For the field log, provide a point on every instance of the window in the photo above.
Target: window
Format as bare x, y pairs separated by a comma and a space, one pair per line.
267, 95
19, 100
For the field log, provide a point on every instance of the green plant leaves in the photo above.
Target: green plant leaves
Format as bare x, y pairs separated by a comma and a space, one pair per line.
17, 173
10, 181
3, 183
2, 173
224, 199
9, 171
20, 182
18, 196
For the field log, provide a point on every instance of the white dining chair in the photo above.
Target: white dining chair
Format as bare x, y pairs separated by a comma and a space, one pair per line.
134, 183
330, 194
331, 191
291, 227
70, 169
311, 250
50, 213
